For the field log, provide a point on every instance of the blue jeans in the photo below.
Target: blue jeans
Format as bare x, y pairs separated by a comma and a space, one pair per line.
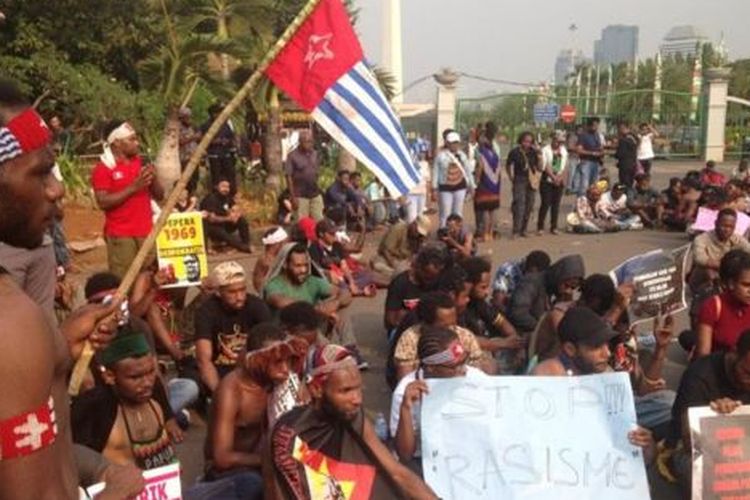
181, 392
588, 175
415, 206
450, 202
239, 486
655, 408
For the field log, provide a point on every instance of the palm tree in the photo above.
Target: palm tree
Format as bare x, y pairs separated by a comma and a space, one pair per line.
246, 22
174, 72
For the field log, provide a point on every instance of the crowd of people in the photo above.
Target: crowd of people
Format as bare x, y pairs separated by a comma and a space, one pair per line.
271, 358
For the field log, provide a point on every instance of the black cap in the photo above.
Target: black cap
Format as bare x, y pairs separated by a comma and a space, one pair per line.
581, 325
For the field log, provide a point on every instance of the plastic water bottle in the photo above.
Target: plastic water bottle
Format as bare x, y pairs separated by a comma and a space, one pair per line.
381, 427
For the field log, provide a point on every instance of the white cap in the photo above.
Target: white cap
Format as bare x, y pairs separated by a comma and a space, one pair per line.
452, 137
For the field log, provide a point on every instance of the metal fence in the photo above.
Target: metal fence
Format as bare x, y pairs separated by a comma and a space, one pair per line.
678, 116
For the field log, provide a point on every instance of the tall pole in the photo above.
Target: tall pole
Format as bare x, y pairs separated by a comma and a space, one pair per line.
656, 111
596, 91
393, 59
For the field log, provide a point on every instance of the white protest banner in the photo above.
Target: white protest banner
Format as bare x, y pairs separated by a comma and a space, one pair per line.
721, 453
658, 278
532, 438
181, 249
161, 484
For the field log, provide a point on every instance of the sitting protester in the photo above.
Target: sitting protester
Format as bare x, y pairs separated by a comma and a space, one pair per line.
292, 279
300, 319
121, 419
459, 241
645, 202
399, 244
532, 298
585, 218
495, 334
341, 270
674, 216
242, 406
408, 287
224, 223
509, 274
340, 195
436, 309
613, 207
333, 429
585, 339
710, 176
441, 355
223, 322
720, 381
722, 318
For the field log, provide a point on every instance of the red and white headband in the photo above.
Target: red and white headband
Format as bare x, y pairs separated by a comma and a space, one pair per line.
25, 133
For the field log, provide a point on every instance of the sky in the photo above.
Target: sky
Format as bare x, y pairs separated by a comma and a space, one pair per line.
519, 40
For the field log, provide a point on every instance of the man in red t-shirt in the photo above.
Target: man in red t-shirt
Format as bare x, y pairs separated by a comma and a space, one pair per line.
123, 188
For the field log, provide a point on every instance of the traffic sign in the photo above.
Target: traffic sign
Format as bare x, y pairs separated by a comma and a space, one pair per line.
568, 113
546, 113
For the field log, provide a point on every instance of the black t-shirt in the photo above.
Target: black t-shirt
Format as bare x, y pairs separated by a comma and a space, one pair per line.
403, 293
627, 152
704, 381
480, 318
217, 204
522, 161
227, 329
327, 257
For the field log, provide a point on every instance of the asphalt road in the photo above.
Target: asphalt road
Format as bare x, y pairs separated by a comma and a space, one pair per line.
601, 254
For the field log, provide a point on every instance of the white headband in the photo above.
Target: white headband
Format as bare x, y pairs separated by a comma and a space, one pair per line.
122, 132
277, 236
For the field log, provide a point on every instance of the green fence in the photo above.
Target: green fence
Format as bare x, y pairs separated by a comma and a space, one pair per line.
680, 120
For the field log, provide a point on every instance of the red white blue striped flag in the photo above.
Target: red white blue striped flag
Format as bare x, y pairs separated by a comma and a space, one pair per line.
322, 68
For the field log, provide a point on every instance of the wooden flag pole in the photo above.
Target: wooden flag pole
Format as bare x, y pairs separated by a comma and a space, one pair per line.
82, 364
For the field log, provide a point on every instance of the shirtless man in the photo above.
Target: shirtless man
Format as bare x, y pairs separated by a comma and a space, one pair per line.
37, 459
241, 406
121, 419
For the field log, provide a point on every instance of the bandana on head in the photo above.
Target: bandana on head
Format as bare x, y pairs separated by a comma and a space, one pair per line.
25, 133
326, 359
452, 355
277, 236
122, 132
258, 361
129, 345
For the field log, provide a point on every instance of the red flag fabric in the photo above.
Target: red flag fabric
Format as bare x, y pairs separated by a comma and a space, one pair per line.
323, 49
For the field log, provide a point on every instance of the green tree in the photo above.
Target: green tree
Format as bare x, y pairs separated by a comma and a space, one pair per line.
108, 34
173, 72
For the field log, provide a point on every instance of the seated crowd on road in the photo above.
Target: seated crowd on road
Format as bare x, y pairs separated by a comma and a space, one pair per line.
271, 357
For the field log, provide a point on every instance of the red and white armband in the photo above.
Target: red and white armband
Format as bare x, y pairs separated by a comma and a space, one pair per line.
29, 432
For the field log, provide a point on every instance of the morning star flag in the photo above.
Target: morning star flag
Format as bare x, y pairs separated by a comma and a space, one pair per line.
322, 68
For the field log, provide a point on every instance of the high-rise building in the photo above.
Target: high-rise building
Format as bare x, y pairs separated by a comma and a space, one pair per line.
618, 44
565, 64
685, 40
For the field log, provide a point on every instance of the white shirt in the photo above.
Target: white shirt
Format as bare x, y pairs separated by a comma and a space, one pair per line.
646, 147
607, 206
416, 408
